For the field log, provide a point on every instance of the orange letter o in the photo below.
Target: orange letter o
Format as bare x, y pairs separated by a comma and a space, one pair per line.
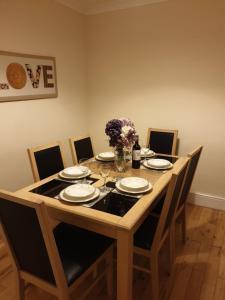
16, 75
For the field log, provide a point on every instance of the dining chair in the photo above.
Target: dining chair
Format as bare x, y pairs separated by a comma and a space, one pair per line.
155, 230
81, 148
56, 260
162, 141
46, 160
180, 214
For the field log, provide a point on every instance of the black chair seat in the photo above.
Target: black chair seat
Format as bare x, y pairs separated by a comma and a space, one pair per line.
78, 249
143, 237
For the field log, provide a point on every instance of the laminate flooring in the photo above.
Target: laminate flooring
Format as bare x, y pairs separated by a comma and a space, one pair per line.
198, 274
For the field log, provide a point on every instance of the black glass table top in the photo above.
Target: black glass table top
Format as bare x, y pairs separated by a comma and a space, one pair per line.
54, 187
116, 204
113, 203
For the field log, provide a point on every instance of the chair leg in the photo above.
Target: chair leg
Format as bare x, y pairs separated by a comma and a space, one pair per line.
20, 287
64, 296
155, 276
63, 293
172, 245
95, 273
184, 224
109, 274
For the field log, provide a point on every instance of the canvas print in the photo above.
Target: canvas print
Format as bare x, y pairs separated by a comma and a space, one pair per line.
24, 76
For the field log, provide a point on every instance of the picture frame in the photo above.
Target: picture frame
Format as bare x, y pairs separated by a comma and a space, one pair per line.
27, 77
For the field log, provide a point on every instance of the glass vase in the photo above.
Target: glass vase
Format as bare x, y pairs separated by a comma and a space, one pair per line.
128, 154
120, 161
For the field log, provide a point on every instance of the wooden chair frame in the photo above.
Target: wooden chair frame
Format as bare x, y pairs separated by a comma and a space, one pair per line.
175, 132
61, 289
181, 209
33, 163
161, 236
72, 148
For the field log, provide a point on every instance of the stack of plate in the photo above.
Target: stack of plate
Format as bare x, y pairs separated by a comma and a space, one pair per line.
146, 152
134, 185
158, 164
106, 156
80, 192
75, 172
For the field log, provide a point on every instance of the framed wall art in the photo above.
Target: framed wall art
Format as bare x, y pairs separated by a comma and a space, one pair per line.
24, 77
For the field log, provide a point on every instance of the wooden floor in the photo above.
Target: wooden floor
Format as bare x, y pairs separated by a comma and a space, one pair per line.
199, 272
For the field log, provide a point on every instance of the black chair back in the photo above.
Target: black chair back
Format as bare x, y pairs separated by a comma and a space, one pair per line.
192, 166
162, 142
49, 161
83, 148
22, 228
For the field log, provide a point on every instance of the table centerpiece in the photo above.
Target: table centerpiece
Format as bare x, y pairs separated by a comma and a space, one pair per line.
121, 133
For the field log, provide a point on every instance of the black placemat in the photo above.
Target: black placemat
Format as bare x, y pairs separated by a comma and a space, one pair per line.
116, 204
55, 186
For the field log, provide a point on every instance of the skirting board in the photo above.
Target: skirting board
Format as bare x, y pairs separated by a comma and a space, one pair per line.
207, 200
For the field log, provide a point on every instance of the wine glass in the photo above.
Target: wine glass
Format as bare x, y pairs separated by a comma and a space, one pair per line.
87, 162
104, 172
144, 150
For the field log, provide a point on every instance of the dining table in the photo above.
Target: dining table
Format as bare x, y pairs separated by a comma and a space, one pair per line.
116, 215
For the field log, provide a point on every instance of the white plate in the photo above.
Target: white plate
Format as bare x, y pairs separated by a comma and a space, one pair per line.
145, 164
133, 192
63, 197
106, 155
79, 191
75, 177
158, 163
150, 153
134, 184
75, 171
106, 160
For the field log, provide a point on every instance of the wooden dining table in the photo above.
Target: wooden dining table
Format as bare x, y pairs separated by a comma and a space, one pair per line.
120, 226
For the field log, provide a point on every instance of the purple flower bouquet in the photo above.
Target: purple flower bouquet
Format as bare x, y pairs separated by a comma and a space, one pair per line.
121, 133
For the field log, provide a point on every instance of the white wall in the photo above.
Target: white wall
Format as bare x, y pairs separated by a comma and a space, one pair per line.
41, 27
163, 66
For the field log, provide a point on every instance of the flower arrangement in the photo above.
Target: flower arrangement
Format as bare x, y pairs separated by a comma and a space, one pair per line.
121, 132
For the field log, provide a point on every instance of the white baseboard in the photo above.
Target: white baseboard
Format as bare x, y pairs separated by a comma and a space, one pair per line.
207, 200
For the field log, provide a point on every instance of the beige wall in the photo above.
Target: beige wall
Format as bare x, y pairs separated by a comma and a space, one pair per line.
41, 27
163, 66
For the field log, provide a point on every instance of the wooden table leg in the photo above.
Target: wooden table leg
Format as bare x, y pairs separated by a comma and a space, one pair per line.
124, 265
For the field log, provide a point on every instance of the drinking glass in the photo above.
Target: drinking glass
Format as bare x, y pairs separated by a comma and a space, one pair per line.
144, 150
104, 172
120, 161
87, 162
